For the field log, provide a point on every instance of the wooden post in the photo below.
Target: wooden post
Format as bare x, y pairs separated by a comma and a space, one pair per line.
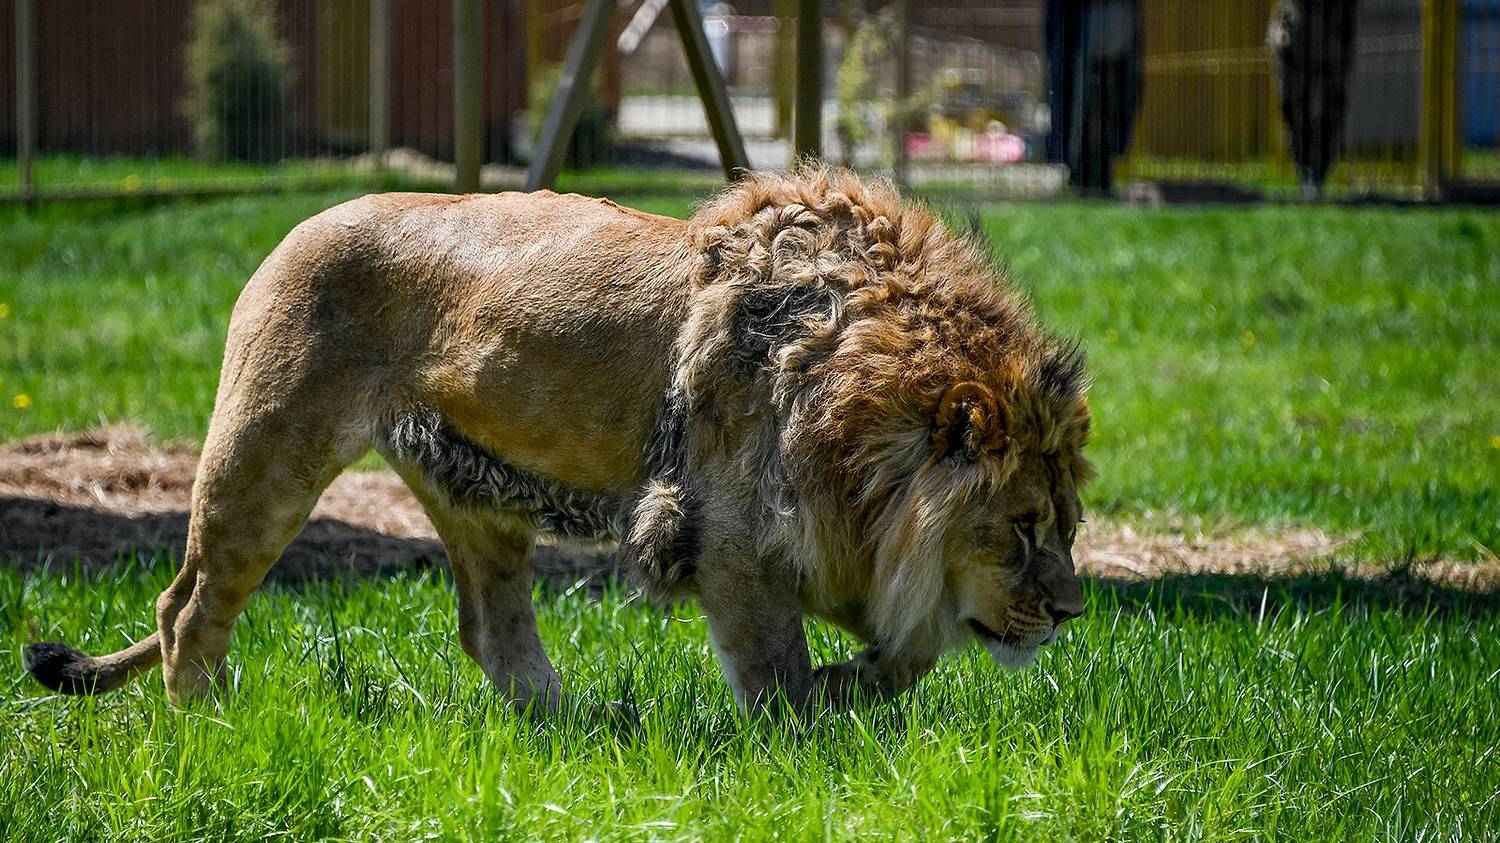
711, 88
534, 38
468, 92
1437, 148
899, 125
26, 66
807, 129
784, 65
380, 79
1452, 126
567, 101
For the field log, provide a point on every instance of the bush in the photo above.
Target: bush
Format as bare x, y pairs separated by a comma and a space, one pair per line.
866, 46
238, 75
593, 138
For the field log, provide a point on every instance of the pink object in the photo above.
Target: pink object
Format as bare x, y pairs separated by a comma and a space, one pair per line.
999, 148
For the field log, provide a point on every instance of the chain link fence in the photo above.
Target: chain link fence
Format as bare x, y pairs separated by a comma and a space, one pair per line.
1020, 97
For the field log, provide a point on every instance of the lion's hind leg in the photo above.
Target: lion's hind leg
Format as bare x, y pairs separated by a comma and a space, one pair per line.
491, 555
480, 509
260, 475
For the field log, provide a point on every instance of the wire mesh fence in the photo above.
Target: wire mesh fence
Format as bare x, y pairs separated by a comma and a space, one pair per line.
1402, 97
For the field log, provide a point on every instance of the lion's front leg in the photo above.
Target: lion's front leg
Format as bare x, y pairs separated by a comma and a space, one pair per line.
755, 624
761, 646
872, 675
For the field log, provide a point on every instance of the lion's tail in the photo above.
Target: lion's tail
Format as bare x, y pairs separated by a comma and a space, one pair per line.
661, 546
68, 671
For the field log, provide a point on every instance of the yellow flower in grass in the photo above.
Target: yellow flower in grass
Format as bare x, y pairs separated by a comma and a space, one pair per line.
1495, 442
4, 310
21, 401
1248, 339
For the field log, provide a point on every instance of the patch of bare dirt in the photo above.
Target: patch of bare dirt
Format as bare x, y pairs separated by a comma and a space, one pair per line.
1119, 552
96, 495
92, 496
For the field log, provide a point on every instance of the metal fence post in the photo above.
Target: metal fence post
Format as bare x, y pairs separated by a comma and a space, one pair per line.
711, 89
784, 65
380, 79
1436, 147
807, 128
572, 88
898, 127
468, 92
26, 62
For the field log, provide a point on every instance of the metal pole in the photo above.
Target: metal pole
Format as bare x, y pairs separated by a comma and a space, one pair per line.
711, 88
26, 61
902, 11
468, 92
572, 88
1436, 134
534, 37
1451, 155
380, 79
784, 65
807, 129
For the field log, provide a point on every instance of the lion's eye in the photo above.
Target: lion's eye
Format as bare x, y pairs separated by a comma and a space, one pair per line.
1026, 532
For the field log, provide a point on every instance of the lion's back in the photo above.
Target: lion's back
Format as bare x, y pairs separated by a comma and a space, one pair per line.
541, 324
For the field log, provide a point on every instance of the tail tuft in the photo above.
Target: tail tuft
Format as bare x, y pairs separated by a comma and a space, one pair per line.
62, 668
662, 544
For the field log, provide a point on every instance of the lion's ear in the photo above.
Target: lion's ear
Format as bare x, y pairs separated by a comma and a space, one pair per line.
969, 422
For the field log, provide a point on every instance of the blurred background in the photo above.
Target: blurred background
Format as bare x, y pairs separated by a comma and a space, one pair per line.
1151, 100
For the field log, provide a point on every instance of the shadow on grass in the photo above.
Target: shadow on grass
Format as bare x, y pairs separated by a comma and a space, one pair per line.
38, 534
1252, 595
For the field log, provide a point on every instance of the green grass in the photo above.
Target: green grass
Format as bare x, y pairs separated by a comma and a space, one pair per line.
1480, 163
123, 177
1352, 176
127, 175
1186, 709
1394, 174
1275, 365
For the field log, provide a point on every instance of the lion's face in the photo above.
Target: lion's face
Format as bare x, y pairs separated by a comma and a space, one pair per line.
1010, 561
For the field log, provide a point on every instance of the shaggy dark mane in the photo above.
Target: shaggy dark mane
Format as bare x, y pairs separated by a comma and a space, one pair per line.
829, 318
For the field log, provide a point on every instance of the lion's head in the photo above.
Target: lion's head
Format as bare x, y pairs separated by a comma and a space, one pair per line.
1008, 548
908, 436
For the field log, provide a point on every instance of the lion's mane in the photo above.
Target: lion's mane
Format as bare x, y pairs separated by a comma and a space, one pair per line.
829, 318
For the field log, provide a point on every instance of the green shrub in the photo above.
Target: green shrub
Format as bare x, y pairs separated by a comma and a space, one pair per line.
867, 46
238, 75
593, 138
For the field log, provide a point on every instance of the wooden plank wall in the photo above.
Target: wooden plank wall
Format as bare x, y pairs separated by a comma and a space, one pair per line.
111, 75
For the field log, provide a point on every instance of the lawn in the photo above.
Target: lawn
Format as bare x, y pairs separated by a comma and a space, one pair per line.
1182, 709
1266, 367
128, 175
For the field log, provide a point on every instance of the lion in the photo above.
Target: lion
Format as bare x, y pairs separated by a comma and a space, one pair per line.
809, 399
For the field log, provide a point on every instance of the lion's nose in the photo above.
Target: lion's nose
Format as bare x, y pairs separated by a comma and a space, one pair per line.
1061, 613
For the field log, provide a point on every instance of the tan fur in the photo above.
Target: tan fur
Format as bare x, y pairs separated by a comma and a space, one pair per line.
870, 409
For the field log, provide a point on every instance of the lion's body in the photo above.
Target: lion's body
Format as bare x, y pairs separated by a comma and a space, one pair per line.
499, 312
783, 406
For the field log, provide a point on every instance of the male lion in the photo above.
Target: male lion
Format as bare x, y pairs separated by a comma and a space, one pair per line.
810, 398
